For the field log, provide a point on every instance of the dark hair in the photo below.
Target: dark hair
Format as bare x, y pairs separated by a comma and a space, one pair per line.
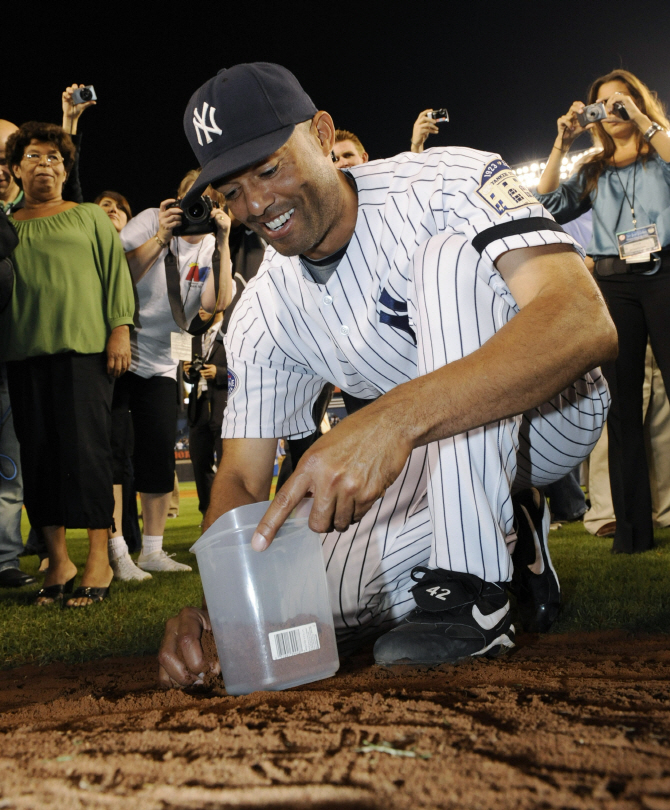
647, 102
119, 199
35, 130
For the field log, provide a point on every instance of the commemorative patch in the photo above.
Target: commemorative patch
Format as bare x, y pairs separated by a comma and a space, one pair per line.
502, 189
233, 383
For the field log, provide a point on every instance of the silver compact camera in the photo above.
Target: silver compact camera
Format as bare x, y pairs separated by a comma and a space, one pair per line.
83, 94
591, 114
597, 112
439, 115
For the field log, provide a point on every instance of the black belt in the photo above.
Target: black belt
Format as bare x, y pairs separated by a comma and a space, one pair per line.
614, 266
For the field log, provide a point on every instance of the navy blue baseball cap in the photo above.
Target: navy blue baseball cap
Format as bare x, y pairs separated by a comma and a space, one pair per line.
241, 116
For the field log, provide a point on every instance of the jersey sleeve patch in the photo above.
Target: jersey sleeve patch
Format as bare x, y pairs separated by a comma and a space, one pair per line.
501, 189
233, 383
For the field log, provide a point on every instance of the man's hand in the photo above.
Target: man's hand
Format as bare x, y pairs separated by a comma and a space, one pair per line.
423, 127
181, 661
208, 372
118, 351
347, 470
72, 112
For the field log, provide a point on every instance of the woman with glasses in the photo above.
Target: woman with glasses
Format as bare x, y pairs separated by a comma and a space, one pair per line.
65, 336
626, 182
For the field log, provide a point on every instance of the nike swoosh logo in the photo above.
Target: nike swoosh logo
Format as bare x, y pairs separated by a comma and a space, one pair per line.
490, 621
538, 566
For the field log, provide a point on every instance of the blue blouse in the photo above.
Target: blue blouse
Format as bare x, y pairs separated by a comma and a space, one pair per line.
611, 211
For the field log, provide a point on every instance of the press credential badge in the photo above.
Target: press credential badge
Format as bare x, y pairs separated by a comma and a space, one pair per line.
180, 346
638, 244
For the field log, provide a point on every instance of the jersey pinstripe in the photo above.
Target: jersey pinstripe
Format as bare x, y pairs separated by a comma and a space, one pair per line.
416, 289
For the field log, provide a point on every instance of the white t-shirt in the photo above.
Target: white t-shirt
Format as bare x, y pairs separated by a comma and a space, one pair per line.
150, 342
288, 335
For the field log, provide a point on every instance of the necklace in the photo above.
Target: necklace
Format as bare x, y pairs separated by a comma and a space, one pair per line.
625, 189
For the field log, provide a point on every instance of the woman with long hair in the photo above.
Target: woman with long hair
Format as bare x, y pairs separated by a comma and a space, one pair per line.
625, 180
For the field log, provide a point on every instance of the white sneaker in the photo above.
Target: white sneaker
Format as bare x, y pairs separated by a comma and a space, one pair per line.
160, 561
125, 569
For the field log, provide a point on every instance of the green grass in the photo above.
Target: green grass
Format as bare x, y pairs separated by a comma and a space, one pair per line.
600, 591
129, 623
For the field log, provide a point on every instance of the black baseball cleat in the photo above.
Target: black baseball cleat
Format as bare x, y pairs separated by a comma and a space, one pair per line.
534, 583
458, 616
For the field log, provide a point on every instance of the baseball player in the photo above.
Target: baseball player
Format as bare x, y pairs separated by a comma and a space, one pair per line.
439, 282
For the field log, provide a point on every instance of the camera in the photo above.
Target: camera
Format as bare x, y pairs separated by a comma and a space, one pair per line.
439, 115
597, 112
194, 217
197, 365
591, 114
82, 94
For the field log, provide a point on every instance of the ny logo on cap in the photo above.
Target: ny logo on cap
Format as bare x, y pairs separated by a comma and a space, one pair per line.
199, 122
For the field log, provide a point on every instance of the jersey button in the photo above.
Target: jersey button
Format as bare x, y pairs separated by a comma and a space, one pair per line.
327, 300
344, 330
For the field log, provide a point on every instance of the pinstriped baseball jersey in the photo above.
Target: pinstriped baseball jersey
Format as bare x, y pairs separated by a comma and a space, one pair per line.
358, 331
416, 289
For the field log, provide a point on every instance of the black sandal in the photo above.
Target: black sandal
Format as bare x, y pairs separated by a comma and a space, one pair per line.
55, 592
94, 594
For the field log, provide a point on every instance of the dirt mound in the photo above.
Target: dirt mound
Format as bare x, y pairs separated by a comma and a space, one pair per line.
576, 721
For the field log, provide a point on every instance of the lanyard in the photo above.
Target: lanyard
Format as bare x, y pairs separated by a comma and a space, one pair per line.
625, 190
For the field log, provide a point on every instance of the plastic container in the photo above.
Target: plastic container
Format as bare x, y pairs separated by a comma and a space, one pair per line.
270, 610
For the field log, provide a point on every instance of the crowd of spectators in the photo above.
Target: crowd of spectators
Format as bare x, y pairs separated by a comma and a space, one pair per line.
94, 357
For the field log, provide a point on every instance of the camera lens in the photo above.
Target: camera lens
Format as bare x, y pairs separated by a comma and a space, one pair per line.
85, 94
196, 211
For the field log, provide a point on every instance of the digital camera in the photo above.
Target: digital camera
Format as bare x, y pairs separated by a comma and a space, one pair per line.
439, 115
194, 217
82, 94
197, 366
597, 112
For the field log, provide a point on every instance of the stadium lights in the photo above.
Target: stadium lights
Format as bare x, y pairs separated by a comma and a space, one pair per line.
530, 173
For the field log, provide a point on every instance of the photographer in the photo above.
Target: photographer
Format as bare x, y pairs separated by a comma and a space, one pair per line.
208, 374
627, 184
149, 390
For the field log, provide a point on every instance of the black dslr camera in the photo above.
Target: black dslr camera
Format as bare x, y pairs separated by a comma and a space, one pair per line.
197, 365
439, 115
194, 217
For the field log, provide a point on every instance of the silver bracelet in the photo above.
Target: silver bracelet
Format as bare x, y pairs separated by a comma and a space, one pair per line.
653, 129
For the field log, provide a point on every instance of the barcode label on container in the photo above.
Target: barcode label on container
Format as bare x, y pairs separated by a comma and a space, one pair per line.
285, 643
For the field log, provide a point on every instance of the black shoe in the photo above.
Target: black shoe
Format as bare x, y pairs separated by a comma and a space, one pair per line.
458, 616
535, 584
54, 592
15, 578
94, 594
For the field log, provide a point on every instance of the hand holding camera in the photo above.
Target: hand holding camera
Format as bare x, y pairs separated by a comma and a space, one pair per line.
425, 125
198, 217
76, 98
198, 368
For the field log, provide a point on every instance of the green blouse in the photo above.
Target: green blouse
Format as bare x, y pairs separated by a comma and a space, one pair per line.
72, 285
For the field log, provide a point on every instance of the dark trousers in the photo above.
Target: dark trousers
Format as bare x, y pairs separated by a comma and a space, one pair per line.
640, 308
152, 404
62, 417
204, 439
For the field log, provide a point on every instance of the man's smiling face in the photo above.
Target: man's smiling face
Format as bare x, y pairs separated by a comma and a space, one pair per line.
291, 198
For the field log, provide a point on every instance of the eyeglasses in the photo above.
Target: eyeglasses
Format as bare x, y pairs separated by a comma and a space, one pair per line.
33, 157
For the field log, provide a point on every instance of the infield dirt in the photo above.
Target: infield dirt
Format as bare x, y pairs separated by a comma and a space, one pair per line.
566, 721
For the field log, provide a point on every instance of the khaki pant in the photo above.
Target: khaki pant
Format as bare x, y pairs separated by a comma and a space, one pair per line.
656, 409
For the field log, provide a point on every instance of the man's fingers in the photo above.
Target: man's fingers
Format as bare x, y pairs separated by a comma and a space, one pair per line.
288, 497
171, 668
181, 659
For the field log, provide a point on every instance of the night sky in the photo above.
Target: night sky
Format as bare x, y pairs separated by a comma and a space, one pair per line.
505, 72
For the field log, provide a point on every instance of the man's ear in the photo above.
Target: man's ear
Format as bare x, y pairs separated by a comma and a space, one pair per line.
323, 129
365, 157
